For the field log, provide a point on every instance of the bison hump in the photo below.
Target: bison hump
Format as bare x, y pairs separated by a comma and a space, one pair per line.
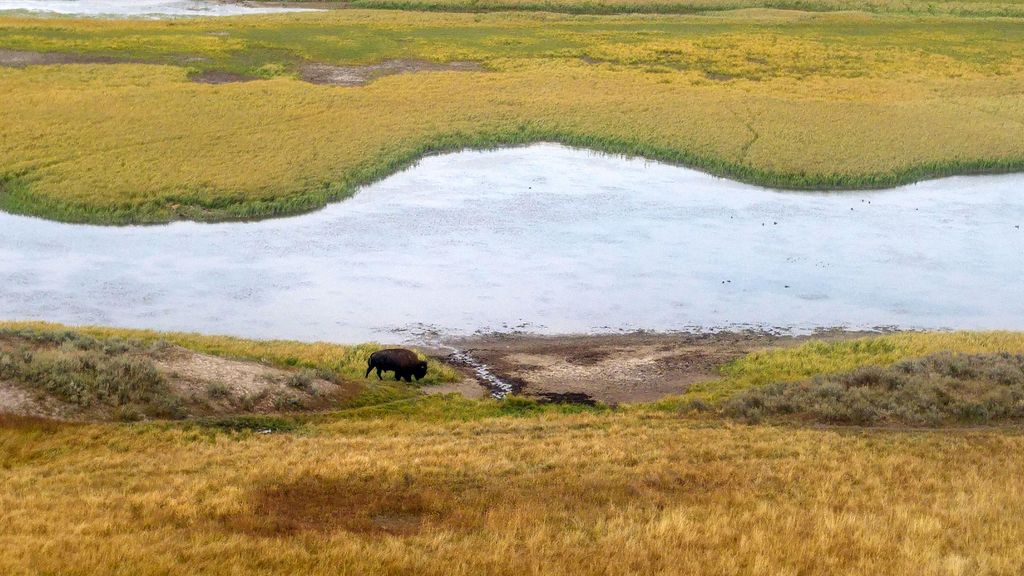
395, 356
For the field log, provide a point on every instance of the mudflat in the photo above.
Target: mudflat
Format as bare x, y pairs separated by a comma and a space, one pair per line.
614, 368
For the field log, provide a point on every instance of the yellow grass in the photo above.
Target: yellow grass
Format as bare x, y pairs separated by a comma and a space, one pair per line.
558, 494
448, 486
785, 99
965, 8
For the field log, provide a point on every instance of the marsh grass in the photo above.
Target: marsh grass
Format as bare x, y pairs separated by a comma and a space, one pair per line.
454, 407
1011, 8
831, 101
252, 423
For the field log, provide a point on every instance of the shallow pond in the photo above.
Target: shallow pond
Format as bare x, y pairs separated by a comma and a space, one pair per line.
140, 8
544, 239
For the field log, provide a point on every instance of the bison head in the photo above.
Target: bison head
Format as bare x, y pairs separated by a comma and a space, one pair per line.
420, 371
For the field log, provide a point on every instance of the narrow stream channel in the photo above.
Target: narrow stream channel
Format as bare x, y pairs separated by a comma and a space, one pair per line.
543, 239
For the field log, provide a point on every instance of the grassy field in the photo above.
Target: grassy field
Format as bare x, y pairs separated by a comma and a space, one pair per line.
786, 99
444, 485
960, 8
549, 493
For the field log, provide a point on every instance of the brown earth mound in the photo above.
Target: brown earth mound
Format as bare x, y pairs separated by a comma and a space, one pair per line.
81, 378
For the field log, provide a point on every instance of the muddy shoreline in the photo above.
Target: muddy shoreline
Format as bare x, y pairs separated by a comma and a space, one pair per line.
608, 368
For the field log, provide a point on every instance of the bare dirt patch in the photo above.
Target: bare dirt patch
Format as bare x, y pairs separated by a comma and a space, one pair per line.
21, 59
467, 387
215, 385
313, 72
333, 75
636, 367
15, 400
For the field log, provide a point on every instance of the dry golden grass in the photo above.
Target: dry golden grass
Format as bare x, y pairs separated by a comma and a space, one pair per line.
634, 493
448, 486
794, 100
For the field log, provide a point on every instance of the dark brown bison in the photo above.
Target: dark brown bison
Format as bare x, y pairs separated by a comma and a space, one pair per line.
404, 363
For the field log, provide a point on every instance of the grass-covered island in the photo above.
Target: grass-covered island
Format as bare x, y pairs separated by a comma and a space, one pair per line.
150, 121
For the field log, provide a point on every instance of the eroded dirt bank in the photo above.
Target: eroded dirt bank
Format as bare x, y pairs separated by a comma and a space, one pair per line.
633, 367
89, 379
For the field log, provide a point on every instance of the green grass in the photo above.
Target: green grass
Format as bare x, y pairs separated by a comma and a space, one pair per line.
918, 7
825, 358
790, 100
454, 407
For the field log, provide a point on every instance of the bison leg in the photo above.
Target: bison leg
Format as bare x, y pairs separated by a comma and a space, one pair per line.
379, 372
368, 370
398, 375
408, 377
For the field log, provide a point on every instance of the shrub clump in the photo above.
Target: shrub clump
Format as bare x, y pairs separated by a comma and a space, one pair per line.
86, 371
936, 389
302, 380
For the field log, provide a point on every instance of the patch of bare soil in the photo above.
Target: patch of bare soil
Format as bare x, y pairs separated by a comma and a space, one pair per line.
636, 367
214, 385
21, 402
318, 73
21, 59
313, 72
467, 387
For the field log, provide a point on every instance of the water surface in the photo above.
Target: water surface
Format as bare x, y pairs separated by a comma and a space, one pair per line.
544, 239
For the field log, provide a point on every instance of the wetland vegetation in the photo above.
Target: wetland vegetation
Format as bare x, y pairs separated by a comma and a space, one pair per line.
780, 98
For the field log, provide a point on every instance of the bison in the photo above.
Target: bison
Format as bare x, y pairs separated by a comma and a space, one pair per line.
404, 363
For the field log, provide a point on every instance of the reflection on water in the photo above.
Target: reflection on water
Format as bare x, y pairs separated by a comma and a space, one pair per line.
544, 239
